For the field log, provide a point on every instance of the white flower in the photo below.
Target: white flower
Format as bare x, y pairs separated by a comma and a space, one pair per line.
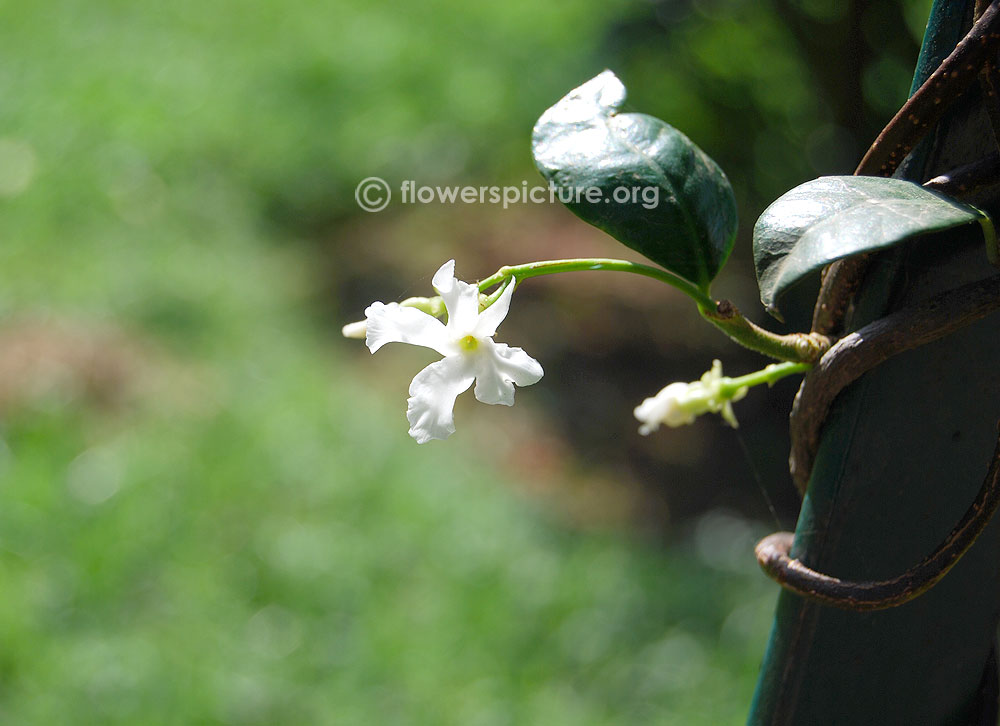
466, 343
681, 403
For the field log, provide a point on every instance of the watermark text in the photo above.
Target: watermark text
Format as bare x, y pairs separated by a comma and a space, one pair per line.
373, 194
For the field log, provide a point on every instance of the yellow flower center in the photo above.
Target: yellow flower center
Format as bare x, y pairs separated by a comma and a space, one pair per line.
468, 343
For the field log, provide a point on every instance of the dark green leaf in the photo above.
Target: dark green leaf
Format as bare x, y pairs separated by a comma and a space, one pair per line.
686, 221
833, 217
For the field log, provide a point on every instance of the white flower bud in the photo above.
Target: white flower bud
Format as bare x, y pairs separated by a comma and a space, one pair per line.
680, 404
356, 331
666, 407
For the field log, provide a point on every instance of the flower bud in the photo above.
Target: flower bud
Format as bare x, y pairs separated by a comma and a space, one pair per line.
356, 331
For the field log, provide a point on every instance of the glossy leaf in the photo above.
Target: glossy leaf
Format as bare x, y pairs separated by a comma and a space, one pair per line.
834, 217
679, 210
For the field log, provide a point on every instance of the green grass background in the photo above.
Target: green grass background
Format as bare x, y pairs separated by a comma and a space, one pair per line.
208, 513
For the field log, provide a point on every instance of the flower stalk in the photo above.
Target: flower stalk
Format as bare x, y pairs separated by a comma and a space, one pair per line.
798, 347
550, 267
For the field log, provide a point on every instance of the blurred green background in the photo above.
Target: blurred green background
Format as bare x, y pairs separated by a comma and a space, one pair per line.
210, 511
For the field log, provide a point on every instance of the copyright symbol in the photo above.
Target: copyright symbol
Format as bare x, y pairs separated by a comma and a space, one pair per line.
373, 194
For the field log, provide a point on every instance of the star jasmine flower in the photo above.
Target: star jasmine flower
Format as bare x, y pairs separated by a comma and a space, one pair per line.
680, 404
466, 342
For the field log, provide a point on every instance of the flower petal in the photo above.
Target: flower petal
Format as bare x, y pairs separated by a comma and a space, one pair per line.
499, 367
666, 407
444, 278
463, 316
460, 298
491, 317
394, 324
430, 409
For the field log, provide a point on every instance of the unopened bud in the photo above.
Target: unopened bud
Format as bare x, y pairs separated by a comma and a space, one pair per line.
357, 331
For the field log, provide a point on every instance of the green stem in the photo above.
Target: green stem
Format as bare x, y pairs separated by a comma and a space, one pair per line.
798, 347
551, 267
769, 375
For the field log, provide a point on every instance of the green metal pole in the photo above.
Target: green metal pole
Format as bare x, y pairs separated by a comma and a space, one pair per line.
903, 453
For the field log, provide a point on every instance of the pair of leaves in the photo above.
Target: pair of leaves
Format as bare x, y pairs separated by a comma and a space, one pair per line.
584, 144
677, 207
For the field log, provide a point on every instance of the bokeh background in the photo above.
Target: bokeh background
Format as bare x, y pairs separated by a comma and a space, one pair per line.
210, 511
